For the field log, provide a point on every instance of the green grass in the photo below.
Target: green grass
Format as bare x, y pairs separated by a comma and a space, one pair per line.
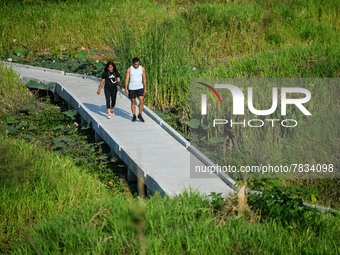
184, 224
66, 26
318, 61
176, 41
13, 93
49, 205
219, 30
172, 38
35, 185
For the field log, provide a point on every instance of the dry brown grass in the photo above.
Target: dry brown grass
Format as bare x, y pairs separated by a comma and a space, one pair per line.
237, 206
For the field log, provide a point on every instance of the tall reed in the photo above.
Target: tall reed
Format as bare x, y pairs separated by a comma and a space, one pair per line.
164, 54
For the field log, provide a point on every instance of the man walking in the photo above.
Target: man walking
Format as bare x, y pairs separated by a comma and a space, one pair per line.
137, 77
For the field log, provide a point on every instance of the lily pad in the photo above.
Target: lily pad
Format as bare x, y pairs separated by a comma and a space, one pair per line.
40, 115
86, 127
11, 130
40, 85
59, 146
32, 84
28, 136
22, 124
31, 128
20, 51
10, 120
193, 123
73, 64
159, 113
27, 107
216, 139
64, 57
67, 139
60, 127
99, 65
82, 54
87, 70
65, 69
57, 140
70, 113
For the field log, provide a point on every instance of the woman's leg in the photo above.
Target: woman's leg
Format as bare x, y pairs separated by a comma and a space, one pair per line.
113, 98
107, 97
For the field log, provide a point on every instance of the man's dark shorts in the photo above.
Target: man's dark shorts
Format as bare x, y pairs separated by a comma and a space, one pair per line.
136, 93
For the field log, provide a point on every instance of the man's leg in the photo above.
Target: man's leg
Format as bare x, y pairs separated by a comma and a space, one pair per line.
141, 106
133, 109
133, 106
132, 96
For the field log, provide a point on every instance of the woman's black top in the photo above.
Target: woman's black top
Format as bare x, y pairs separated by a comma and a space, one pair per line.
110, 78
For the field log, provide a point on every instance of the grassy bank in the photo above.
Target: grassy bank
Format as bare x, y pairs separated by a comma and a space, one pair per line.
219, 29
184, 224
35, 185
13, 93
51, 206
173, 38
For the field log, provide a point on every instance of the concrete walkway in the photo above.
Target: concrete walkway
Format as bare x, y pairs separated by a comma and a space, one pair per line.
153, 151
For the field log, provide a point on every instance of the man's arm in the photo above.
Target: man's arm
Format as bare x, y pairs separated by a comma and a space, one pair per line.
144, 80
127, 78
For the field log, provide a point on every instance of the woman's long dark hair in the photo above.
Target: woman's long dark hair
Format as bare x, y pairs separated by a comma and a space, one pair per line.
106, 68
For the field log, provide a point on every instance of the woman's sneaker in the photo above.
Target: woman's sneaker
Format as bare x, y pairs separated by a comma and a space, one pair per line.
109, 116
113, 112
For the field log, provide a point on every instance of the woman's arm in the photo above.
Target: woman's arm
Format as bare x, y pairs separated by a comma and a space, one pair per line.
100, 86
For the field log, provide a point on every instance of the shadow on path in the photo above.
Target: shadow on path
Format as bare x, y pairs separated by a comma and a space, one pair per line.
101, 109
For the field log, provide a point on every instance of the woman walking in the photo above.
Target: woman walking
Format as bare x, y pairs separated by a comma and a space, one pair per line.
111, 78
